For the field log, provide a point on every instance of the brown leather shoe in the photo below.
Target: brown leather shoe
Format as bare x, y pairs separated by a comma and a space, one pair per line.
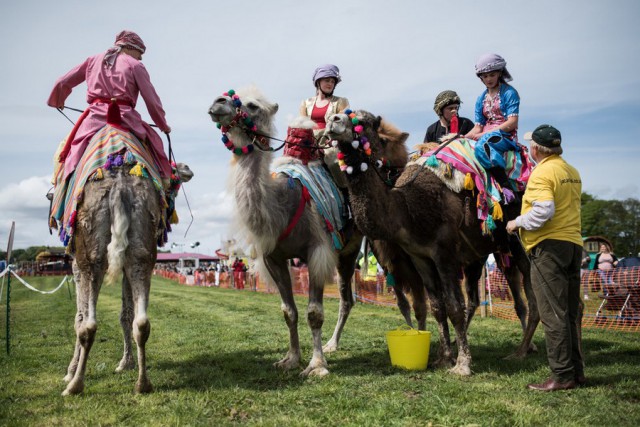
553, 385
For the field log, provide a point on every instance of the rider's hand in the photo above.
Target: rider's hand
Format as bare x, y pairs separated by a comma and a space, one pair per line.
168, 130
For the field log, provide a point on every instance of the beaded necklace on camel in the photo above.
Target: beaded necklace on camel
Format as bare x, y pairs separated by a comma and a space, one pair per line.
241, 117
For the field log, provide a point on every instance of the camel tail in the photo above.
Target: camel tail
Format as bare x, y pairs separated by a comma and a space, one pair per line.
119, 242
322, 264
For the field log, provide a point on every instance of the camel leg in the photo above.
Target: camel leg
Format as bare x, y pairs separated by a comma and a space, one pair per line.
80, 303
431, 282
85, 326
472, 275
346, 267
126, 321
448, 276
280, 274
73, 365
315, 318
141, 327
403, 304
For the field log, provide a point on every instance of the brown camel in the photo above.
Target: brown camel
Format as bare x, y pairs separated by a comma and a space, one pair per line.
116, 232
434, 225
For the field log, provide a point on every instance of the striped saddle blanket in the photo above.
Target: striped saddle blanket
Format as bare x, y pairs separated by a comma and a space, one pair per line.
457, 166
109, 148
324, 192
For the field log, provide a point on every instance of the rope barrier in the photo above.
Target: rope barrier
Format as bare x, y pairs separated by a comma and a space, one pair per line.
28, 286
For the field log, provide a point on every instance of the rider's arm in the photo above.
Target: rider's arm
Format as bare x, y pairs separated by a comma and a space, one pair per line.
151, 98
65, 84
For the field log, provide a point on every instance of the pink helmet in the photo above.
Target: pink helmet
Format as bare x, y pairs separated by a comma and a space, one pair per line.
327, 70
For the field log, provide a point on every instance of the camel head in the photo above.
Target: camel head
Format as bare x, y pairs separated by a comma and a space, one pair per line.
245, 113
366, 140
184, 172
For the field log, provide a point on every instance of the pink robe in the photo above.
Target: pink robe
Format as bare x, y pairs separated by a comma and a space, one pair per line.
123, 81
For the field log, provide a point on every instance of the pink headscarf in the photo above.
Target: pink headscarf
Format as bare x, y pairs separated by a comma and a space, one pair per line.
127, 39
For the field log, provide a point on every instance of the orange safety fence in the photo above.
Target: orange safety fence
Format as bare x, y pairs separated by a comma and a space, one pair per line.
611, 298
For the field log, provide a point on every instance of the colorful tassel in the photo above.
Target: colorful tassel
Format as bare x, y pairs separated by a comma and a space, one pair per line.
468, 182
432, 161
448, 171
136, 170
129, 158
497, 212
174, 217
98, 175
491, 225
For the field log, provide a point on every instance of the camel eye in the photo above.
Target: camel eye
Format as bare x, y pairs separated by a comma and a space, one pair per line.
253, 107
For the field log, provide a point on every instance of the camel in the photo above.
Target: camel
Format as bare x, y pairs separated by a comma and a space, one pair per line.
265, 206
434, 225
116, 232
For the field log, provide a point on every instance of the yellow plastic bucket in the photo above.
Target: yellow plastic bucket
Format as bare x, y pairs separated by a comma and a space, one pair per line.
409, 349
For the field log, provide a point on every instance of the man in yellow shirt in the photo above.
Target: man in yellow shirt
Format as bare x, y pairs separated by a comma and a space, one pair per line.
550, 230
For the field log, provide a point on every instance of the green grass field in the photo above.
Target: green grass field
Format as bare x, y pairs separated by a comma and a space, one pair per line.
210, 360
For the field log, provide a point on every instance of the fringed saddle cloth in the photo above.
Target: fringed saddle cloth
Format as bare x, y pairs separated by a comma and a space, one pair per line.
324, 192
110, 147
458, 168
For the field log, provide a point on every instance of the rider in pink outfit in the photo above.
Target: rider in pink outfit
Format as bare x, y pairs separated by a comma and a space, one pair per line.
112, 75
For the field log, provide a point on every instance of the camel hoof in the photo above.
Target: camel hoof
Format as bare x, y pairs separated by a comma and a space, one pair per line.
125, 365
444, 362
73, 388
144, 386
315, 372
330, 347
463, 371
67, 378
287, 364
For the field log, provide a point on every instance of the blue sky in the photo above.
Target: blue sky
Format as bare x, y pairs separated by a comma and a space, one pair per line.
574, 65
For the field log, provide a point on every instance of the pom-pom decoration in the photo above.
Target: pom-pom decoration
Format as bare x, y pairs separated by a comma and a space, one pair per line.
364, 167
241, 117
349, 170
355, 144
334, 143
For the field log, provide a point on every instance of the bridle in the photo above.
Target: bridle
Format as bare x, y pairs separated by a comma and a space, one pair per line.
362, 145
258, 140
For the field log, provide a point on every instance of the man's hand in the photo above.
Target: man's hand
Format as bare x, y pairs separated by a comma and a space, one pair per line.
512, 227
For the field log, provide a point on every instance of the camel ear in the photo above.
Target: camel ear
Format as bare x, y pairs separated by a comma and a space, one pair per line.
403, 137
376, 123
274, 108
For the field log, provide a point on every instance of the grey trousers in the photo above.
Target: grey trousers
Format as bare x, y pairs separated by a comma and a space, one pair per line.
555, 275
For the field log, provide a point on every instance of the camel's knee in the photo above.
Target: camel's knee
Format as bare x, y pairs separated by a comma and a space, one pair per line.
86, 333
142, 329
290, 314
315, 316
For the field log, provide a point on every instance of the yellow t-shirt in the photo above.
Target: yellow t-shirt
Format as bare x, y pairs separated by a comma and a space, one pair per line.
554, 179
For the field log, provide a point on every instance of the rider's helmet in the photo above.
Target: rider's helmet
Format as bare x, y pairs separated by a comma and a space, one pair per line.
327, 70
444, 99
492, 62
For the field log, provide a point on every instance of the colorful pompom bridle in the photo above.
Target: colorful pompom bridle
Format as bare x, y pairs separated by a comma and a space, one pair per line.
360, 142
241, 118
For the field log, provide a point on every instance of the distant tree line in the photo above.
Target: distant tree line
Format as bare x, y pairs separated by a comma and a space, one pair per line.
617, 220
